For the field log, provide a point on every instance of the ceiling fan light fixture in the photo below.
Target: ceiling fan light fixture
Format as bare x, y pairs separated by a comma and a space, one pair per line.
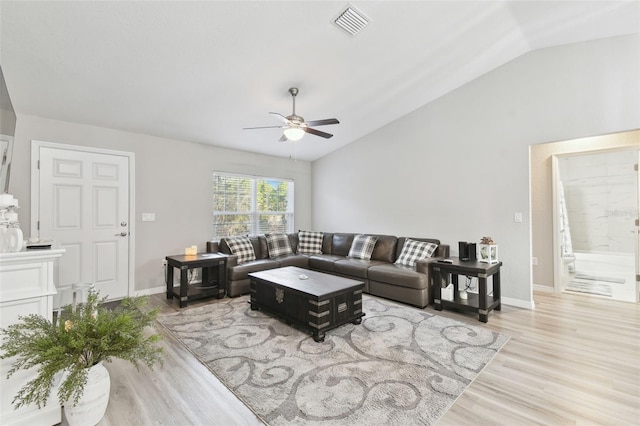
294, 133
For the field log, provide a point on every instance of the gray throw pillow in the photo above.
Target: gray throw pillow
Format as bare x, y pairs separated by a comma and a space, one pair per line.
362, 247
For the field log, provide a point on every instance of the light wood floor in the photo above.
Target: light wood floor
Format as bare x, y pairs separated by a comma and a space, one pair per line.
574, 360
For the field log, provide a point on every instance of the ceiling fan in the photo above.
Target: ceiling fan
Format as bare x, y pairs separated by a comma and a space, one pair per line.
295, 127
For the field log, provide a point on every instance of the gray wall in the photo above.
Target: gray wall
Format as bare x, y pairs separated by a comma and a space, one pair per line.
173, 180
458, 168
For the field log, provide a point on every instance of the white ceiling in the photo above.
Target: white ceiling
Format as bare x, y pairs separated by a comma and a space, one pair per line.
201, 71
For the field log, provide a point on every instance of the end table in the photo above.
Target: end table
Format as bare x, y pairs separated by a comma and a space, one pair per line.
482, 303
214, 276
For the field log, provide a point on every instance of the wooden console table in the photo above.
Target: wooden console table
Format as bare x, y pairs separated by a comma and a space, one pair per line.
482, 303
214, 276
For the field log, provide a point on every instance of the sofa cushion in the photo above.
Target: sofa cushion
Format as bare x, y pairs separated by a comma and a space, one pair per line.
362, 246
309, 242
323, 262
299, 260
385, 248
413, 250
278, 245
399, 275
260, 246
327, 239
293, 241
341, 244
241, 272
241, 247
355, 267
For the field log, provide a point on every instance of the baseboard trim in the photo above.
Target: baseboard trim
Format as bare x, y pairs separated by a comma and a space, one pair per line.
151, 291
517, 303
543, 288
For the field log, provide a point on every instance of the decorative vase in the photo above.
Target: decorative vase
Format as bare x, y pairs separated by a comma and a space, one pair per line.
93, 403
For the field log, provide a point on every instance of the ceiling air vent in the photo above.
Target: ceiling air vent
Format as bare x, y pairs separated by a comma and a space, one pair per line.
351, 20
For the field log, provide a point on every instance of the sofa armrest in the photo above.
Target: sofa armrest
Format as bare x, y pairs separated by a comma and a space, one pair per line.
442, 251
422, 266
232, 260
213, 247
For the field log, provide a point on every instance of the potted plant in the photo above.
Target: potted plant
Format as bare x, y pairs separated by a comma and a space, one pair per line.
68, 353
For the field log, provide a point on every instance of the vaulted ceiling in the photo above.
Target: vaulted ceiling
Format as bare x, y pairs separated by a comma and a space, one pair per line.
201, 71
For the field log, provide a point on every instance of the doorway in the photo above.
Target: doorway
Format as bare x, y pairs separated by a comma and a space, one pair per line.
596, 205
82, 200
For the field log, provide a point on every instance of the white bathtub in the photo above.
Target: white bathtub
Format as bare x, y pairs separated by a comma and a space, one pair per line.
611, 275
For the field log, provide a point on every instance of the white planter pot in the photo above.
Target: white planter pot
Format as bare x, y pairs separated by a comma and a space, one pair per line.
93, 402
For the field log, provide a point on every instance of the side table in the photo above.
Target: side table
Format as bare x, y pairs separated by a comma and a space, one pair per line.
214, 276
482, 303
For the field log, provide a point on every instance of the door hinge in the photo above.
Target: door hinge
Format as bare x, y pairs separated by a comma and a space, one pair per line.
638, 278
38, 225
38, 164
635, 167
637, 222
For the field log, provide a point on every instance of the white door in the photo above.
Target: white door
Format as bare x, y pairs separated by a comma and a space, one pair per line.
84, 206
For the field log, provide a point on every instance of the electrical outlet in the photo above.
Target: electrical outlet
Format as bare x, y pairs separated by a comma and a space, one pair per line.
534, 261
164, 262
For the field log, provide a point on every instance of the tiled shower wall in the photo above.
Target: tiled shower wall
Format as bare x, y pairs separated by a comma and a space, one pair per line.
602, 200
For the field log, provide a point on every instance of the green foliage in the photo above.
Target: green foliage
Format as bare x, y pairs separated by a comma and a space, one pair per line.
80, 338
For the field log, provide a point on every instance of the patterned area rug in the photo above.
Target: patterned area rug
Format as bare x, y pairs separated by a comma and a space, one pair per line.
402, 365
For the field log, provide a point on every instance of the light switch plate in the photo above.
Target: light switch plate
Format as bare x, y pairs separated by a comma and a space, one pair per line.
148, 217
517, 217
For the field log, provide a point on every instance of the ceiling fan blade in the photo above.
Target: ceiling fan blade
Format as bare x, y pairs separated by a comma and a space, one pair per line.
323, 122
283, 138
281, 117
318, 133
264, 127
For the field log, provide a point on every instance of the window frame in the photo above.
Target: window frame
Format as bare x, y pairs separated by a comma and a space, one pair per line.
255, 214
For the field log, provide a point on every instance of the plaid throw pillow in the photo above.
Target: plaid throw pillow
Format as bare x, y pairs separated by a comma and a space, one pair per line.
310, 242
278, 245
362, 247
242, 247
413, 250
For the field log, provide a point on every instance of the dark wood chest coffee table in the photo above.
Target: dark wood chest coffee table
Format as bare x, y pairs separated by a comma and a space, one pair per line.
319, 302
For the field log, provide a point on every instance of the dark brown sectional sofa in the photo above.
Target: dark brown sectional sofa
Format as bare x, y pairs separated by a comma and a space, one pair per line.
381, 276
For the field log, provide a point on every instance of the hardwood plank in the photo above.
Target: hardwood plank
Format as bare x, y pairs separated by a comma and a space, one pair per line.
572, 360
575, 359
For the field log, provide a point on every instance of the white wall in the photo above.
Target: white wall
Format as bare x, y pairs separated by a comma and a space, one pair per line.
601, 198
173, 180
458, 168
542, 195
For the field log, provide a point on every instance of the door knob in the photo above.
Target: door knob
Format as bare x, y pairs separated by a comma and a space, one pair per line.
122, 234
123, 224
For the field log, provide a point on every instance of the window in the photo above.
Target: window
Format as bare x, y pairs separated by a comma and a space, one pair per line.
250, 205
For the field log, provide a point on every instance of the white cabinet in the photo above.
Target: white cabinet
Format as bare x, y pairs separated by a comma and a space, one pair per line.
26, 287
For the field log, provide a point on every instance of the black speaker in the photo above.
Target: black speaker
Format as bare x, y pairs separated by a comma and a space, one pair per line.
466, 251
